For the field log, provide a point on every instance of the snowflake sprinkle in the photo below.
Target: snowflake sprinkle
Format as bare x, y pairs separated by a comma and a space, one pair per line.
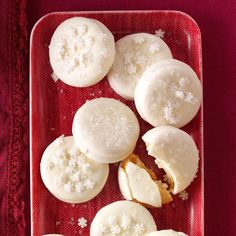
82, 222
155, 47
115, 229
139, 39
139, 228
131, 69
160, 33
183, 195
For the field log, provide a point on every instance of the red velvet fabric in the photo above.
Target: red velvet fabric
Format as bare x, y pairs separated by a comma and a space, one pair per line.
217, 23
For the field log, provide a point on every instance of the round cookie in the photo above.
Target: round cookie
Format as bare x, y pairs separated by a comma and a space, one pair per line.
168, 93
69, 174
168, 232
105, 129
175, 152
81, 51
122, 218
134, 54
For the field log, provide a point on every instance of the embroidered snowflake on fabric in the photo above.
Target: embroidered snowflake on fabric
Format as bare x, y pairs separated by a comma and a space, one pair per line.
160, 33
183, 195
82, 222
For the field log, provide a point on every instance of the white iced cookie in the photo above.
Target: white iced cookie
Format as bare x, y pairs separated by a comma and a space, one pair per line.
168, 232
175, 152
81, 51
68, 174
105, 129
134, 54
139, 183
169, 93
122, 218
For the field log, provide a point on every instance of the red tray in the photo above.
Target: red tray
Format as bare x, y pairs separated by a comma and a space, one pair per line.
54, 104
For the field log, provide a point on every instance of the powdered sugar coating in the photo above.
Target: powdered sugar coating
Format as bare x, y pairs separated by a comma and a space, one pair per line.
105, 129
79, 48
71, 176
129, 219
169, 93
134, 54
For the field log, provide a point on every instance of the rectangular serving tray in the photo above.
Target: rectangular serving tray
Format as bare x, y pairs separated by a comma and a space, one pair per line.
52, 106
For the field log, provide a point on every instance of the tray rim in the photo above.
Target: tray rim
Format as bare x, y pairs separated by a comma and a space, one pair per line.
201, 130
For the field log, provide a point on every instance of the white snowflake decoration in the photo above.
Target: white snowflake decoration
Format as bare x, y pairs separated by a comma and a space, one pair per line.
49, 165
82, 222
125, 221
179, 94
190, 98
69, 187
79, 188
60, 140
128, 58
83, 29
112, 220
139, 228
102, 37
160, 33
155, 47
183, 195
169, 114
141, 60
89, 184
138, 39
131, 69
115, 229
104, 52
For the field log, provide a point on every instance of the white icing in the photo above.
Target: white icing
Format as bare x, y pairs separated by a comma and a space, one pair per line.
178, 154
128, 219
78, 48
72, 177
134, 54
168, 93
113, 122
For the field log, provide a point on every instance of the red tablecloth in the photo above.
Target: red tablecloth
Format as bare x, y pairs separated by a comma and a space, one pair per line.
217, 22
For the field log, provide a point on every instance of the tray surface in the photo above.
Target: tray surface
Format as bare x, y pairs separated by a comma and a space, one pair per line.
53, 106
